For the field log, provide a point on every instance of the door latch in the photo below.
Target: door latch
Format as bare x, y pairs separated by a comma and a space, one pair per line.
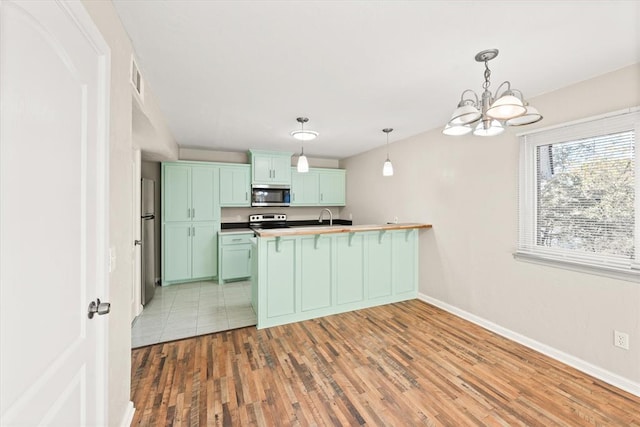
98, 307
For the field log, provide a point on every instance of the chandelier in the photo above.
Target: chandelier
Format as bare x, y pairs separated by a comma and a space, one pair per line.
491, 113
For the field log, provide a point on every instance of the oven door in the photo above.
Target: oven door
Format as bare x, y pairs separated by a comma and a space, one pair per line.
270, 196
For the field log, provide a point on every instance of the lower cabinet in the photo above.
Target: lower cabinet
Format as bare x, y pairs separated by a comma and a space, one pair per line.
307, 276
190, 251
235, 256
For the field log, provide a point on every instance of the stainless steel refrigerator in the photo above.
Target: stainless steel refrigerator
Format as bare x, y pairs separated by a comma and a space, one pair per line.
148, 240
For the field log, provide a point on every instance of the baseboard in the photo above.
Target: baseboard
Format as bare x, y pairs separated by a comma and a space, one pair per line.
586, 367
128, 415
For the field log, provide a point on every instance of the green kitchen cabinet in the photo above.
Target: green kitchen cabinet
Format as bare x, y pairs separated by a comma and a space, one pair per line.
318, 187
305, 188
270, 167
235, 256
332, 184
301, 277
190, 192
190, 221
235, 186
189, 251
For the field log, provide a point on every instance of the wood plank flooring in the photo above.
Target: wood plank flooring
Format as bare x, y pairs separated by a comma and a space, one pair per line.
403, 364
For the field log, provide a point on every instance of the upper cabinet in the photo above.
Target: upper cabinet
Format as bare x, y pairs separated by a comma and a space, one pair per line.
235, 185
318, 187
190, 192
270, 167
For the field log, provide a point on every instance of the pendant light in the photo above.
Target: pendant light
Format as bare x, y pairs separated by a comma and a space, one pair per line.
387, 168
303, 135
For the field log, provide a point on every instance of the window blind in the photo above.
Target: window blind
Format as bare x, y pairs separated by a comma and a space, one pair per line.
577, 192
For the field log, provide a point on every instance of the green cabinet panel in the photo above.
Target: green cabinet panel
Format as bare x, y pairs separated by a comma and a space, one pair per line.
305, 188
270, 167
405, 262
204, 250
379, 261
280, 275
176, 187
204, 200
176, 261
315, 281
332, 187
235, 185
350, 268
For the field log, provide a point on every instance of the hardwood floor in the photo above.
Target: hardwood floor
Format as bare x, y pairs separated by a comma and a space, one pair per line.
402, 364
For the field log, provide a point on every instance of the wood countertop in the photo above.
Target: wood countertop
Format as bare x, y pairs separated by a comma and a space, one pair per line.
301, 231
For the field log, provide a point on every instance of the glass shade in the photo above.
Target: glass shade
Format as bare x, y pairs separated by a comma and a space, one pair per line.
494, 128
464, 115
304, 135
456, 130
303, 164
506, 107
531, 116
387, 168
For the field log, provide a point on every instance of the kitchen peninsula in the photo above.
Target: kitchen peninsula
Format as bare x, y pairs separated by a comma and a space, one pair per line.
307, 272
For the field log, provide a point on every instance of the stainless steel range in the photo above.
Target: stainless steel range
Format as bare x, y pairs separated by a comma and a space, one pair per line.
271, 220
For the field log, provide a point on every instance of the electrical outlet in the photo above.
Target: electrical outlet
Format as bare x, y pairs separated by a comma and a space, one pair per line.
621, 339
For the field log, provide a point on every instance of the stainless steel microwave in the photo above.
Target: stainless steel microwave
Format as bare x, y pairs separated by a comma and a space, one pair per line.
270, 195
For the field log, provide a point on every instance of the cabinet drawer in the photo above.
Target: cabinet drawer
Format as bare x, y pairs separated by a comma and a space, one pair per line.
236, 239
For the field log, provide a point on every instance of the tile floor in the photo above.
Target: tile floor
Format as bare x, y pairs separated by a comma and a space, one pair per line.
190, 309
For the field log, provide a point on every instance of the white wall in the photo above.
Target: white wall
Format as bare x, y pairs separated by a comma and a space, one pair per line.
467, 188
156, 138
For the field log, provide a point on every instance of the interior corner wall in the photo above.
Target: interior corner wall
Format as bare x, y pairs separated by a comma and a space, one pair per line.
120, 201
467, 187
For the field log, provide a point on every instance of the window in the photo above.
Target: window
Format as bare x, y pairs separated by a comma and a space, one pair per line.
577, 203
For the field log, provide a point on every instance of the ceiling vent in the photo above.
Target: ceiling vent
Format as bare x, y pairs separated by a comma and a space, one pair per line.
136, 79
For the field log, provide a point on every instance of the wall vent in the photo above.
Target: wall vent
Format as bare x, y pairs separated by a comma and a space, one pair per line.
136, 79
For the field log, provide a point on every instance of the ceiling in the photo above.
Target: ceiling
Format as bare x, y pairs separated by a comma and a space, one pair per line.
234, 75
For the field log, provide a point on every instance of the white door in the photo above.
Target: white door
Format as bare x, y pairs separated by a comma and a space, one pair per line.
54, 81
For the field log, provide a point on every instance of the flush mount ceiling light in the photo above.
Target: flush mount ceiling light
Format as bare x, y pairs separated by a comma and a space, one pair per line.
387, 168
303, 135
492, 113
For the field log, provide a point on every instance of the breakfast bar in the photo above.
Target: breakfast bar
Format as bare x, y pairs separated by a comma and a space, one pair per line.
307, 272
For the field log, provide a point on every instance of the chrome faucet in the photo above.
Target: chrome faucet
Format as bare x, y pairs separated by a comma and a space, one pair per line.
330, 216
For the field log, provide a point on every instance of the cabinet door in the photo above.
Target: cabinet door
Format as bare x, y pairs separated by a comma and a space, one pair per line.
332, 188
281, 170
176, 185
261, 166
235, 186
177, 252
204, 250
204, 194
236, 261
304, 189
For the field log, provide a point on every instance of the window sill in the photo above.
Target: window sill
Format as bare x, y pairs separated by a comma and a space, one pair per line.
613, 273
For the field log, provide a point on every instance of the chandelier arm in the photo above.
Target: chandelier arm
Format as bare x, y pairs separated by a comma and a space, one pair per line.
475, 95
508, 83
519, 95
